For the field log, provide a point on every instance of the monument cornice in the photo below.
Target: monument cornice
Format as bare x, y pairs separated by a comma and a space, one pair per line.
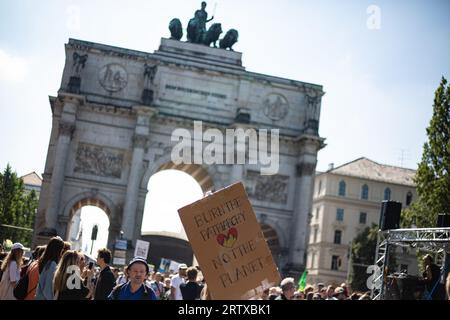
64, 97
106, 108
305, 139
191, 62
142, 110
108, 50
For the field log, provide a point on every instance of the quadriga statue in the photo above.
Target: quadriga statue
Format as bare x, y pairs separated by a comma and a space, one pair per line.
176, 30
230, 38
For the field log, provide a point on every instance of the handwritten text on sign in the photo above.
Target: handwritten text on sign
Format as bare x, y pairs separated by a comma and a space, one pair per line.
229, 245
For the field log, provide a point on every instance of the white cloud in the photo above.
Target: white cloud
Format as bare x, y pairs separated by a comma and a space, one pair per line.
12, 69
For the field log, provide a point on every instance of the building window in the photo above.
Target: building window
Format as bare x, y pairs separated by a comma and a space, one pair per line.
335, 263
317, 213
387, 194
312, 260
342, 188
365, 192
340, 214
362, 217
408, 198
315, 235
319, 187
337, 236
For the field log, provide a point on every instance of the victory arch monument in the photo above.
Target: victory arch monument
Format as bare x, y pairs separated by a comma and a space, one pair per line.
113, 118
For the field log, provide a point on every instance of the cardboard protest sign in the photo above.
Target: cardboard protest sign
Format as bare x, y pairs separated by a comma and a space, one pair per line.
164, 265
141, 249
229, 244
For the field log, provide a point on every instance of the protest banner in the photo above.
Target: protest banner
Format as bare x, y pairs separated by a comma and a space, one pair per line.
229, 245
141, 249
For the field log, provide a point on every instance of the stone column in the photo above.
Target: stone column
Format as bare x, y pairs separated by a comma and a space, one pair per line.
237, 173
304, 182
140, 139
237, 170
66, 129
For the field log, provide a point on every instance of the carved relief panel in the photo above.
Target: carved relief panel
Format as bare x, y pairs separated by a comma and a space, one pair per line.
267, 188
99, 161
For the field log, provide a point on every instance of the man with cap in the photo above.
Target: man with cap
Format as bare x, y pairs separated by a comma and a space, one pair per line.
136, 288
288, 287
175, 292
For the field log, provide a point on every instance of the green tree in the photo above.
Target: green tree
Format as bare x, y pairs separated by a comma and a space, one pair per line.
17, 208
363, 255
363, 251
433, 177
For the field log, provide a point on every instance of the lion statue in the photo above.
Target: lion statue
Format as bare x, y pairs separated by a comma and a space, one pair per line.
231, 37
176, 30
212, 35
194, 32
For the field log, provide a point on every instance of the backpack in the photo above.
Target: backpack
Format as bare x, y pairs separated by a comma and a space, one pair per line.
21, 289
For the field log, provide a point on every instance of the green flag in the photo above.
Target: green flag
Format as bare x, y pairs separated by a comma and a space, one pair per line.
302, 281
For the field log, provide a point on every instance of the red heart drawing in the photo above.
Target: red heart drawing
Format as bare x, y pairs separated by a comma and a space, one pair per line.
228, 240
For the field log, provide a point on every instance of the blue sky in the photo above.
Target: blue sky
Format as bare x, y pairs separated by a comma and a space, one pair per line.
379, 83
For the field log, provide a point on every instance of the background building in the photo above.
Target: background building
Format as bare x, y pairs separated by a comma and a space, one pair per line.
32, 181
346, 200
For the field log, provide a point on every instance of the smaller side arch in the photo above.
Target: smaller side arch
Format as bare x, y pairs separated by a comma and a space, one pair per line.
275, 226
87, 198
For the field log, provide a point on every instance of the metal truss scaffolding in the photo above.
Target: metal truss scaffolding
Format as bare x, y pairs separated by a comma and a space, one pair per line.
432, 240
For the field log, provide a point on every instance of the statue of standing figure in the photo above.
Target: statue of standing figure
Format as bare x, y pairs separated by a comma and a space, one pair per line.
196, 29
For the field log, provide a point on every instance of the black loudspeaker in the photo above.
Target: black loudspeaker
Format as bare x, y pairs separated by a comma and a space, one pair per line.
390, 215
443, 220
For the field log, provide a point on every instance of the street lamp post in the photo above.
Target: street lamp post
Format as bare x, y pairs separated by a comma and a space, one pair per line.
94, 236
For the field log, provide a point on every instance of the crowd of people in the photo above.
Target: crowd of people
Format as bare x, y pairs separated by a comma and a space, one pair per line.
55, 272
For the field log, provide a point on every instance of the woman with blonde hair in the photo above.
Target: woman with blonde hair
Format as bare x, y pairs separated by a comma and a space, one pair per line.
11, 272
67, 283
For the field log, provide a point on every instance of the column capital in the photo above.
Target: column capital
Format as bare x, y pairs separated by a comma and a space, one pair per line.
305, 169
244, 126
311, 142
142, 110
66, 128
140, 141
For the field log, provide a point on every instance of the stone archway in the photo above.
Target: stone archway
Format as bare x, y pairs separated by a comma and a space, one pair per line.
199, 173
272, 239
165, 241
205, 176
75, 219
109, 136
90, 198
